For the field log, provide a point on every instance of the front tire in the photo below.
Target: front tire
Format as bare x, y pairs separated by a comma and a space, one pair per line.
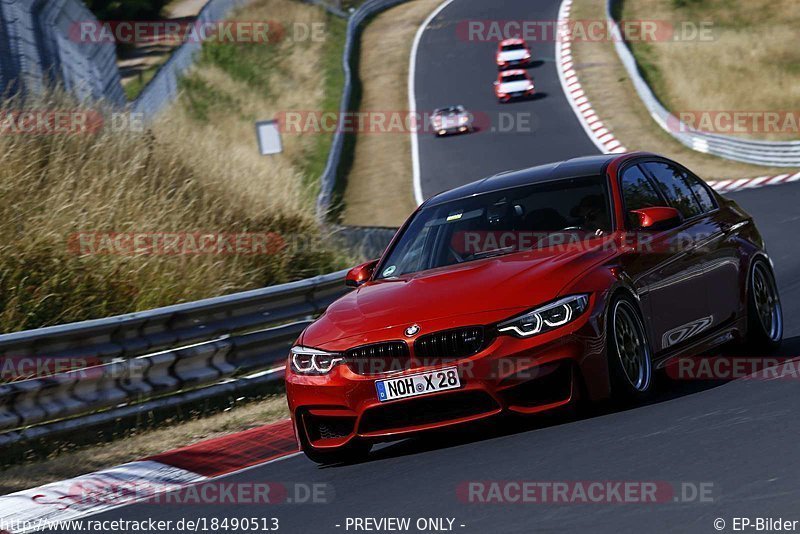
764, 310
629, 353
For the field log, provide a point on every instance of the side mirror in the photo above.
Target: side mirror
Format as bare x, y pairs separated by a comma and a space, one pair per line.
657, 218
360, 274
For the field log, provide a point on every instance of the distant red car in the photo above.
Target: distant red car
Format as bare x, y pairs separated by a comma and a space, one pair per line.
513, 85
512, 53
525, 292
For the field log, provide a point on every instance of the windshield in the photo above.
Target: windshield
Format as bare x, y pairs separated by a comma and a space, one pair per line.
508, 47
514, 78
448, 110
498, 223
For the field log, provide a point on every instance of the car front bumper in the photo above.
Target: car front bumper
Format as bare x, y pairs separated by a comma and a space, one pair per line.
450, 130
519, 95
526, 376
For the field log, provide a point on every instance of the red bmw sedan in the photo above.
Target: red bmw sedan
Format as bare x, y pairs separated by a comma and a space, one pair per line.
513, 84
525, 292
512, 53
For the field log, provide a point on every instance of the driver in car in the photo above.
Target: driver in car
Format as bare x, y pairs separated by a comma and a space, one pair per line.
590, 213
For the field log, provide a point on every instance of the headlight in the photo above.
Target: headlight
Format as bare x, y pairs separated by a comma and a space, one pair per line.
309, 361
546, 317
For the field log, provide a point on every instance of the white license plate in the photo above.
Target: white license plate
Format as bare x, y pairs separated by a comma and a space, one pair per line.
418, 384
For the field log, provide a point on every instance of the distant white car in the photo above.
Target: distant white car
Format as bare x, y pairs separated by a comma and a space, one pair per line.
451, 120
512, 53
513, 85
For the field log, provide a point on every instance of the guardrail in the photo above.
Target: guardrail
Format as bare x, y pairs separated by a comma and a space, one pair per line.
769, 153
37, 44
163, 87
333, 10
329, 174
366, 242
141, 356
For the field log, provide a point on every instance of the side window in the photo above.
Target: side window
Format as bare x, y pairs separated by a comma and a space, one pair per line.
637, 192
700, 191
412, 256
672, 184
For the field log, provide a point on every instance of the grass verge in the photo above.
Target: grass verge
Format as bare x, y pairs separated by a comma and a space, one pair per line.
333, 84
379, 189
750, 60
616, 102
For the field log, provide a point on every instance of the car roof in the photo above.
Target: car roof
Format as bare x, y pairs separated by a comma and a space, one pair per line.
511, 41
583, 166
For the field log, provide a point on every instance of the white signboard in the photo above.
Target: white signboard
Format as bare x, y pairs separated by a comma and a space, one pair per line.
269, 137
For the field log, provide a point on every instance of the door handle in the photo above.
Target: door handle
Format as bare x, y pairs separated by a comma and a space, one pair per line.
732, 227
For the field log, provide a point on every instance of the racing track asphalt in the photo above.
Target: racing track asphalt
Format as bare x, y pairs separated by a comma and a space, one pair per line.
739, 436
453, 69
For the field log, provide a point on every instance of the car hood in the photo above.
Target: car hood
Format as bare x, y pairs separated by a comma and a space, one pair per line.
475, 292
511, 55
512, 87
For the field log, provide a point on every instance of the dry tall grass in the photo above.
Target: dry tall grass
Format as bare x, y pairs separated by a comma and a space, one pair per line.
190, 172
752, 62
196, 169
616, 102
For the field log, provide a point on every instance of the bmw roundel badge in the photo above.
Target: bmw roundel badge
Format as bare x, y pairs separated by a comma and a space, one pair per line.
412, 330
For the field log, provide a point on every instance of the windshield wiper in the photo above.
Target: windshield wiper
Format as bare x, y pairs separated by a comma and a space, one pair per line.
491, 253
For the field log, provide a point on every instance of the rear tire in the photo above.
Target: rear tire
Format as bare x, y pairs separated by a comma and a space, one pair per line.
353, 452
629, 354
764, 310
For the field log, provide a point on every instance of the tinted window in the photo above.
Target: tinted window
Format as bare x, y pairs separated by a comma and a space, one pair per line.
638, 192
700, 192
673, 185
